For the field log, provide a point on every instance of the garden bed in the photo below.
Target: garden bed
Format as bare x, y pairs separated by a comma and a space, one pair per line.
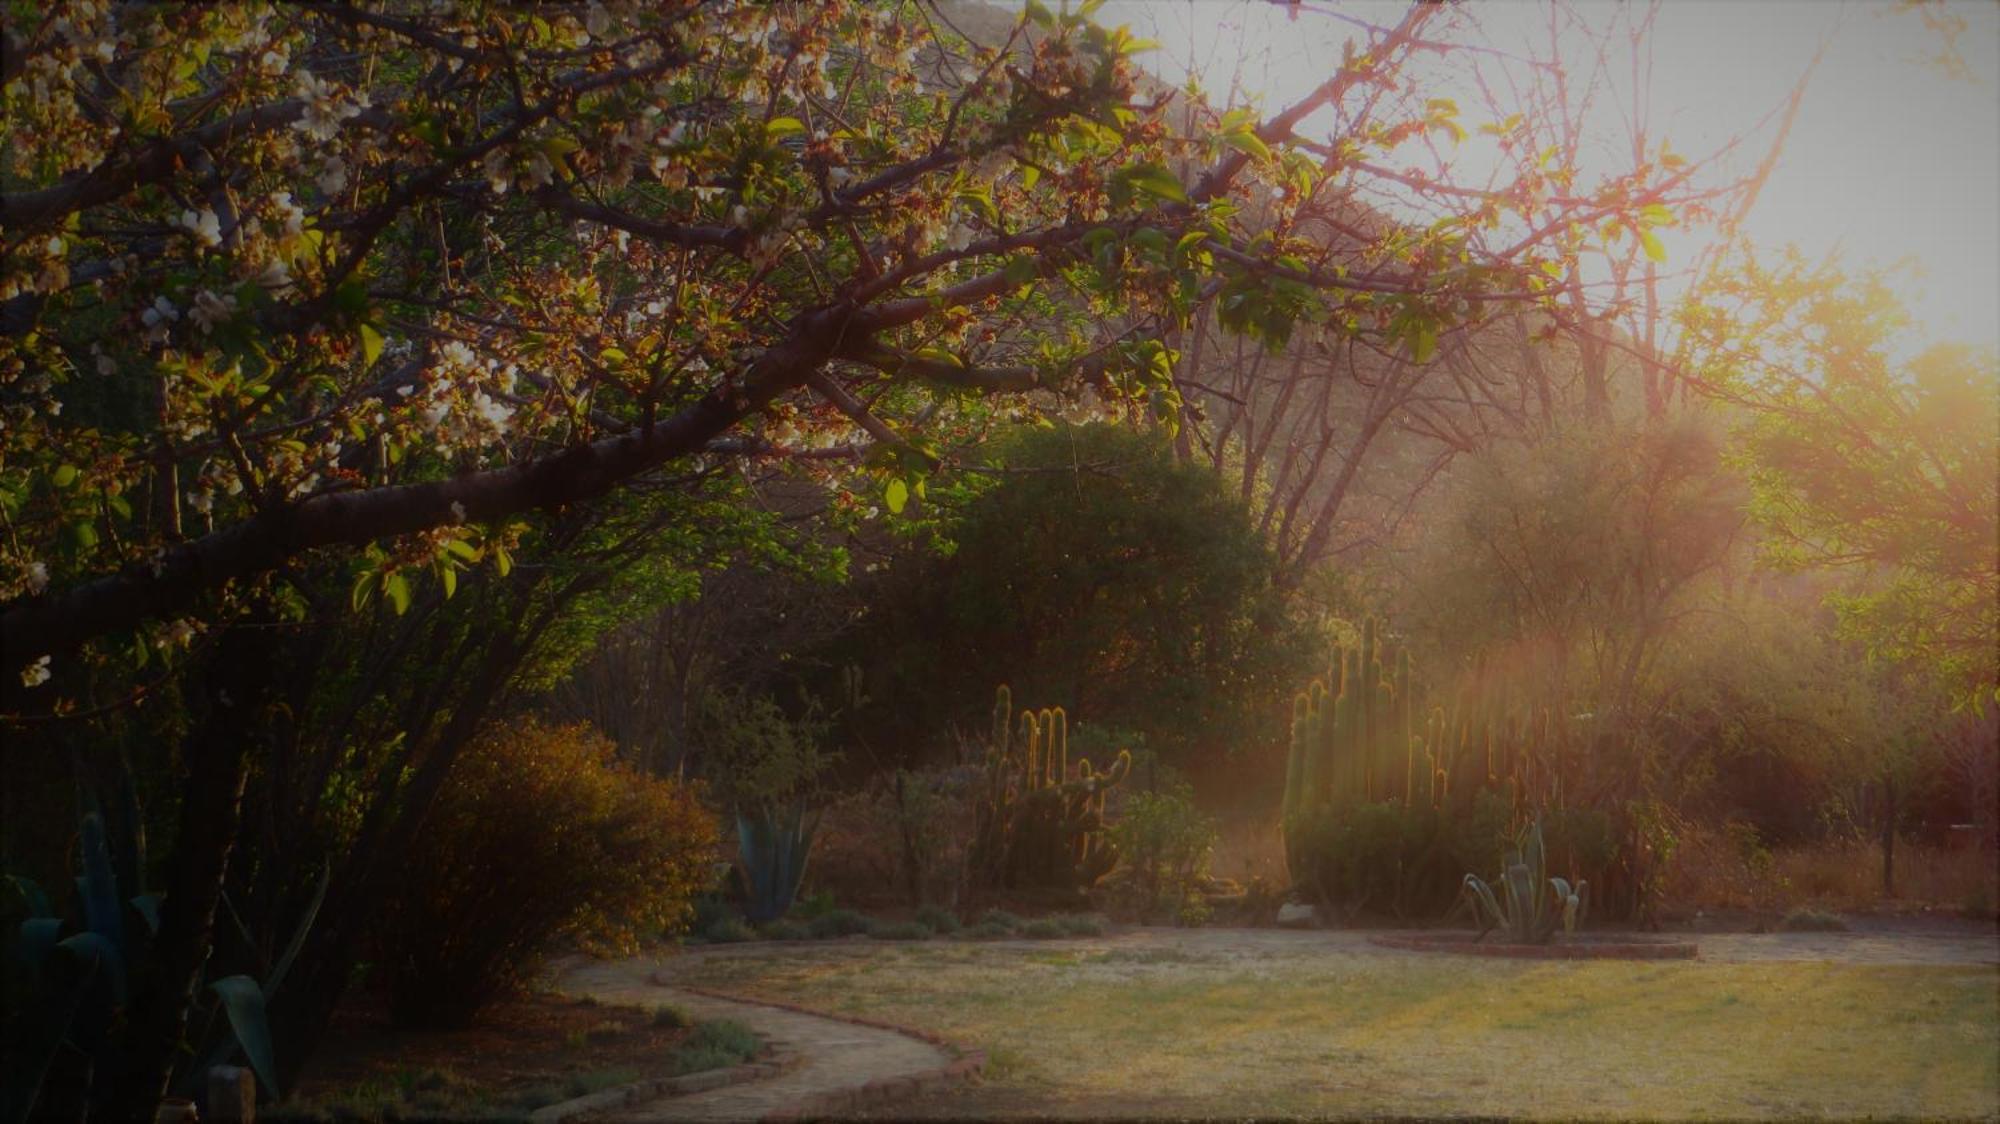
521, 1054
1621, 946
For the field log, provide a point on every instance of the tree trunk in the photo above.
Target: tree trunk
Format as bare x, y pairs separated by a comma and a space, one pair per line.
238, 688
1888, 837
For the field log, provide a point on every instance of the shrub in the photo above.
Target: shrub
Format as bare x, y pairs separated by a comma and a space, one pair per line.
1806, 919
1193, 912
1166, 842
666, 1016
729, 930
538, 835
987, 931
900, 931
708, 910
938, 919
1081, 925
784, 931
839, 923
714, 1045
1000, 918
816, 904
1042, 929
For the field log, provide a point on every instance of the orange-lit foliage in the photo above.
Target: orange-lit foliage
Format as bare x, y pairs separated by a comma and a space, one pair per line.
541, 835
1726, 869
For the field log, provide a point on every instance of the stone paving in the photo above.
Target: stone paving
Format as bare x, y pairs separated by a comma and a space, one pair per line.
833, 1056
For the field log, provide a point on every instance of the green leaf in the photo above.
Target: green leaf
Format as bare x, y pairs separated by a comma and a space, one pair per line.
1423, 341
397, 588
1154, 179
1652, 246
371, 344
243, 1000
1019, 270
65, 476
896, 495
778, 128
1039, 13
1248, 143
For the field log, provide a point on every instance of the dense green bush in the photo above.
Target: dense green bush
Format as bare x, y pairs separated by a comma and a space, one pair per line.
539, 835
716, 1044
1000, 918
1081, 925
1806, 919
839, 923
938, 919
1099, 574
1166, 843
785, 930
1389, 859
729, 930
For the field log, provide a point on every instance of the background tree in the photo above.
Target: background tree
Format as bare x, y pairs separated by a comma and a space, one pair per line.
1098, 574
1868, 463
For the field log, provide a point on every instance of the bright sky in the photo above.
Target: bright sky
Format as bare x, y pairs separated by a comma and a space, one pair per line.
1891, 158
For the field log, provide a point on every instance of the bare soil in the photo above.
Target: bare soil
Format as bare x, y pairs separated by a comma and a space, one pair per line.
516, 1045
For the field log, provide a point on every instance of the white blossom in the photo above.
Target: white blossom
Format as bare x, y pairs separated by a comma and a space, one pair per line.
158, 318
204, 225
332, 178
35, 674
210, 309
326, 107
290, 214
38, 577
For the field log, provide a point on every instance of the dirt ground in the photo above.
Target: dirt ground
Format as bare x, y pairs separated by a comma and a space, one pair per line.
515, 1048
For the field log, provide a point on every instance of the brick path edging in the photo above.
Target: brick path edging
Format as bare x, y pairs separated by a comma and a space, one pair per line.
769, 1064
964, 1065
1591, 951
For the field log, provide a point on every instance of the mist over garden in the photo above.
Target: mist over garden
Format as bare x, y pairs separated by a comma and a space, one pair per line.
722, 560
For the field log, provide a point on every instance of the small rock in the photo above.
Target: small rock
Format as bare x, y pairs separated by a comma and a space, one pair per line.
1295, 915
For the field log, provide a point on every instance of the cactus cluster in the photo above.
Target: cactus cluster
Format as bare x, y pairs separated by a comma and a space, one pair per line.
1361, 737
1352, 731
1040, 823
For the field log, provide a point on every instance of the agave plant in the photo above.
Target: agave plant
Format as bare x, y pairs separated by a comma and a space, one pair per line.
69, 978
1521, 909
774, 846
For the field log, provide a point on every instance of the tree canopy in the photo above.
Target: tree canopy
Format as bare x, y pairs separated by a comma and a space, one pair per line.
279, 279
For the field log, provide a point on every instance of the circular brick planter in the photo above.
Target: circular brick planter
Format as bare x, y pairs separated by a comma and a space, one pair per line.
1465, 944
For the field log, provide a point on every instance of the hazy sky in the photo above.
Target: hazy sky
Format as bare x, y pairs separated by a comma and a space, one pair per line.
1891, 158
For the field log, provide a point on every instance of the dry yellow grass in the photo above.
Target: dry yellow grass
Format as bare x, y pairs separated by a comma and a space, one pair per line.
1100, 1030
1709, 871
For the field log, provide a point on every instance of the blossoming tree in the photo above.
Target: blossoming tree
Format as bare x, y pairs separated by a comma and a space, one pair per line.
362, 286
278, 280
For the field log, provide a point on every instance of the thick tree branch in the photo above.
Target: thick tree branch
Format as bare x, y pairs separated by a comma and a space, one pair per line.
58, 622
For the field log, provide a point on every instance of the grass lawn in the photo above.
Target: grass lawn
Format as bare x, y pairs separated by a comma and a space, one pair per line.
1093, 1029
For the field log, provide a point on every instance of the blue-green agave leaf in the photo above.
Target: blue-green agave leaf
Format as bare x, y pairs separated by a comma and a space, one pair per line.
243, 1000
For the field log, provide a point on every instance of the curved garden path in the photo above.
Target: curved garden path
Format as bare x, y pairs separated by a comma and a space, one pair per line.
834, 1057
837, 1068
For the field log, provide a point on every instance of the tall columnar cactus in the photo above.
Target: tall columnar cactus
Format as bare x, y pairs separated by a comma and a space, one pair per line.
1037, 824
1353, 735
